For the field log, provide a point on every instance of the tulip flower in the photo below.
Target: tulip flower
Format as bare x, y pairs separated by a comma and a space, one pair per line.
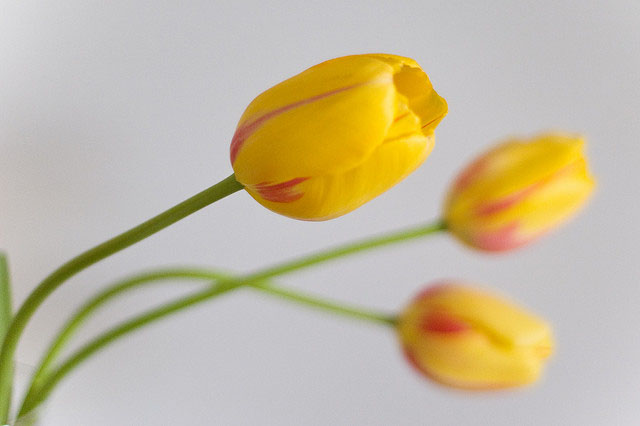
518, 191
331, 138
466, 338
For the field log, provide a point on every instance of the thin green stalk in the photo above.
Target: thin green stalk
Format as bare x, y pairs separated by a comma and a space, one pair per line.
347, 249
327, 305
85, 311
104, 339
225, 286
39, 394
123, 287
52, 282
5, 295
6, 312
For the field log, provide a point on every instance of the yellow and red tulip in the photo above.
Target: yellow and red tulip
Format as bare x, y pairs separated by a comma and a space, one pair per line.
331, 138
517, 191
466, 338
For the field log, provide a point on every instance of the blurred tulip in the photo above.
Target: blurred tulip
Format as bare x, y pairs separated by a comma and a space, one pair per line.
517, 191
466, 338
331, 138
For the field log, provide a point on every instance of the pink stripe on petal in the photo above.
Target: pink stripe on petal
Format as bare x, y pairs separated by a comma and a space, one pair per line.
513, 199
411, 358
508, 201
432, 121
243, 132
442, 322
400, 117
502, 239
435, 120
433, 290
284, 192
465, 178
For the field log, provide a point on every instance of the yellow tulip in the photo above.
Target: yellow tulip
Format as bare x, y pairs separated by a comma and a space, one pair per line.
466, 338
331, 138
517, 191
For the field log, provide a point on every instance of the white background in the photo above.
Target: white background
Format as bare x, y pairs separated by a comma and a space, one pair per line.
113, 111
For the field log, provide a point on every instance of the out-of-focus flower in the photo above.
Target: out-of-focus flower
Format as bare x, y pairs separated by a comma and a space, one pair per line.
470, 339
518, 191
331, 138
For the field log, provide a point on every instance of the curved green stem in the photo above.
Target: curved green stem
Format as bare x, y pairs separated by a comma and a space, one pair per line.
226, 285
5, 295
5, 310
348, 249
84, 312
104, 339
52, 282
120, 288
327, 305
42, 383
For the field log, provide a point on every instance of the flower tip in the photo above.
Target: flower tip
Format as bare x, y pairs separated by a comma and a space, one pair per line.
313, 147
467, 338
518, 191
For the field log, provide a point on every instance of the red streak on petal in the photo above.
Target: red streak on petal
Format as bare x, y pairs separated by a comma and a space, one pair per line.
513, 199
508, 201
280, 192
505, 238
433, 290
243, 132
411, 358
442, 322
400, 117
437, 119
465, 178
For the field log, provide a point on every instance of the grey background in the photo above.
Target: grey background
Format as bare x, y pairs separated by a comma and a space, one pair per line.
113, 111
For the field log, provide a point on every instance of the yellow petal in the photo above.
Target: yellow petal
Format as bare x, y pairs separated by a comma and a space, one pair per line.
340, 114
331, 195
468, 338
330, 139
518, 190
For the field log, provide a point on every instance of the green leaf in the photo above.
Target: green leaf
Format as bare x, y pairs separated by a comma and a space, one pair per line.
5, 296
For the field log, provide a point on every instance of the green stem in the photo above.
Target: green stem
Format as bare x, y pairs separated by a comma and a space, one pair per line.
119, 289
85, 311
5, 295
52, 282
39, 393
6, 311
224, 286
347, 249
327, 305
104, 339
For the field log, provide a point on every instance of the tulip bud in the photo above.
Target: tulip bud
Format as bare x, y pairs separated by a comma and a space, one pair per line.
517, 191
331, 138
466, 338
